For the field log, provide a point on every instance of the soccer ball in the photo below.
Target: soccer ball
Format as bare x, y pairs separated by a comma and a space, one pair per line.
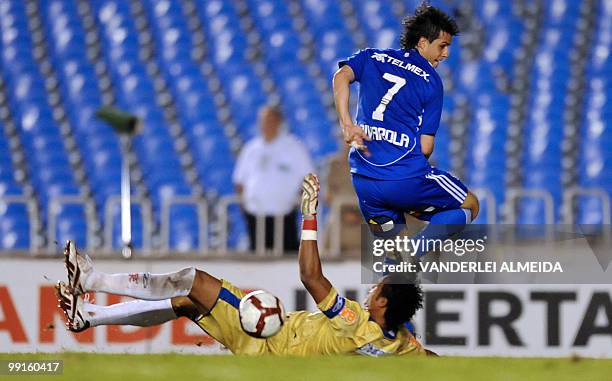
261, 314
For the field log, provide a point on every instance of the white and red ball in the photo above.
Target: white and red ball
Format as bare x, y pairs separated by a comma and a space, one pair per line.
261, 314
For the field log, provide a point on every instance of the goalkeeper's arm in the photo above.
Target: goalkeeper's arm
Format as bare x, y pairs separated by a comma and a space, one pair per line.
311, 274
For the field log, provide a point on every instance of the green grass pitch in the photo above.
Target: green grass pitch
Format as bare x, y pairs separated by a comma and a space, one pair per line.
102, 367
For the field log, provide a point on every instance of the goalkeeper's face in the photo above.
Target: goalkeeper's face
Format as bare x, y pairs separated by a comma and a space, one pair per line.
373, 298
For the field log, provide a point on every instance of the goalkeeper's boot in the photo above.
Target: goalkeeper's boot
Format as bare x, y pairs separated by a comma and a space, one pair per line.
78, 266
73, 307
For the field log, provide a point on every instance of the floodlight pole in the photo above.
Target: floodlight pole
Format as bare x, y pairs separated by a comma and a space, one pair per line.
126, 195
126, 125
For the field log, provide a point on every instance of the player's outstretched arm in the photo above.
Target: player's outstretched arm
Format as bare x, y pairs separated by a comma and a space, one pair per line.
311, 274
352, 133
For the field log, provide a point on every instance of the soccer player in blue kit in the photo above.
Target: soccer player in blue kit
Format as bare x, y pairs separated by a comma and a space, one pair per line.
399, 109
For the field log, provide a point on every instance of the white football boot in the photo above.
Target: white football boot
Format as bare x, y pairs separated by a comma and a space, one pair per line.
73, 307
79, 267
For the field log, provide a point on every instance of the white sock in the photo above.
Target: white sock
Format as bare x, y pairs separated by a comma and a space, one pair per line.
143, 285
141, 313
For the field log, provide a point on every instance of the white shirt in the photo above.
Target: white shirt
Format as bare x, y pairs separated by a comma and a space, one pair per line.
271, 174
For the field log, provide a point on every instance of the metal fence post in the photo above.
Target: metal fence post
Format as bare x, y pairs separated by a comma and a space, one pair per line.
147, 221
491, 202
222, 212
571, 194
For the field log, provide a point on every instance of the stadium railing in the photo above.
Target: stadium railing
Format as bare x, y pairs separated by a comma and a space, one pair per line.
201, 207
33, 217
570, 196
55, 206
223, 213
488, 200
160, 243
146, 211
334, 224
514, 195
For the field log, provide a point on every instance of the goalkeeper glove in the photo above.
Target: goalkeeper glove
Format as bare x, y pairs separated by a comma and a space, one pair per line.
310, 195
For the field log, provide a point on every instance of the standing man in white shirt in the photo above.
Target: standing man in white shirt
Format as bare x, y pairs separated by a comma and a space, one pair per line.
268, 175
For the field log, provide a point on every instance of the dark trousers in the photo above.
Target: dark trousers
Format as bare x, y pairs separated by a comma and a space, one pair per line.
290, 238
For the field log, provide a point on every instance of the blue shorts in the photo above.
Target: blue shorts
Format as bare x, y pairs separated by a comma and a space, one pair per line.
383, 201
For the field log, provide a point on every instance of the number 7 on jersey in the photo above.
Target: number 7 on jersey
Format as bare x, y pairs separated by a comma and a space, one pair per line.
399, 82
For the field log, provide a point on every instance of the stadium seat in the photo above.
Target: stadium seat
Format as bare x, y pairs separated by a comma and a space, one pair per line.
222, 62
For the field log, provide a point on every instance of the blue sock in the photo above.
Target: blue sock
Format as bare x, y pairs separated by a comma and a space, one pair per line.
452, 217
443, 225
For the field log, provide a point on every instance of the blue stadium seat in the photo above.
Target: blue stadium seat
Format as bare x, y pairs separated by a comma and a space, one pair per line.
237, 55
184, 228
14, 226
590, 211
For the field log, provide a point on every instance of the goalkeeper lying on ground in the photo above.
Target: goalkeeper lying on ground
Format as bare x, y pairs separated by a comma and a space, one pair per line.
342, 326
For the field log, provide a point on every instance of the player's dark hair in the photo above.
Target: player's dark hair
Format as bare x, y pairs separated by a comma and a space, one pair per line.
404, 299
427, 22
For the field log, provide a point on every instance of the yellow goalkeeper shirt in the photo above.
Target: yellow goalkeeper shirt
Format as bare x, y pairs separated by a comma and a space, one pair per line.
343, 326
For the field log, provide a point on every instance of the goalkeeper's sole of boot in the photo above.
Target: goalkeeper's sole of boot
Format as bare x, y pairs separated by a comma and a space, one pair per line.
69, 303
72, 267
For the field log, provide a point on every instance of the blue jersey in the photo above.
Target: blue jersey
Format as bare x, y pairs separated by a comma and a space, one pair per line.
400, 98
